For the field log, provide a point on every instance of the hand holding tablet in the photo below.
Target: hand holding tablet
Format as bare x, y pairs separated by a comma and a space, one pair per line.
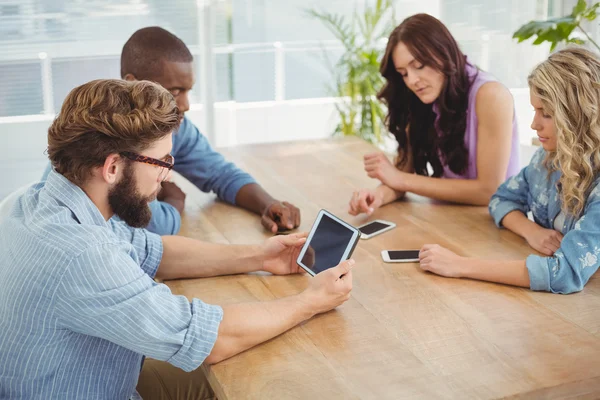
332, 241
330, 288
329, 242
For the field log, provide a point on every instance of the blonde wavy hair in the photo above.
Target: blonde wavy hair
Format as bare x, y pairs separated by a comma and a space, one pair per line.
108, 116
568, 85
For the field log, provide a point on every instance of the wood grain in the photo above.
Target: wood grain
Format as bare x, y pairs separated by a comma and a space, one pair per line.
404, 334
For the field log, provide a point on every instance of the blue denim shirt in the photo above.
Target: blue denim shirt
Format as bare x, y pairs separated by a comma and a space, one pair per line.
578, 257
199, 163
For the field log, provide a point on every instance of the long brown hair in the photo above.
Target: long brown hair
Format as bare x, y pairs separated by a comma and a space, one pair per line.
108, 116
430, 42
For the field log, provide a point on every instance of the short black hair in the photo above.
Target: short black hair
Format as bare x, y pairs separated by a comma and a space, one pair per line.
147, 48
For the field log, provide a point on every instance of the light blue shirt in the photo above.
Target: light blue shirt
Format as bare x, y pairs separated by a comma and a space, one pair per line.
78, 305
199, 163
578, 257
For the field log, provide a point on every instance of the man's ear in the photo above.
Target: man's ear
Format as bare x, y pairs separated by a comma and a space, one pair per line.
130, 77
112, 168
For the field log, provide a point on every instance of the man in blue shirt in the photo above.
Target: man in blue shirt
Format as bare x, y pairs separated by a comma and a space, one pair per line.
79, 308
155, 54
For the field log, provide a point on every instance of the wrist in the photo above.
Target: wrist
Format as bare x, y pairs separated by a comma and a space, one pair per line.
527, 229
386, 194
518, 222
253, 198
467, 266
267, 205
381, 193
308, 303
179, 204
405, 182
257, 257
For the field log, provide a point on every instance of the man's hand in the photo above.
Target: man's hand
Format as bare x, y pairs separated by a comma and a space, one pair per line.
329, 288
281, 252
171, 194
281, 216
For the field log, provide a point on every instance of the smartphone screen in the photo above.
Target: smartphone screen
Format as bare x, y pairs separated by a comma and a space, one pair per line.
372, 228
403, 254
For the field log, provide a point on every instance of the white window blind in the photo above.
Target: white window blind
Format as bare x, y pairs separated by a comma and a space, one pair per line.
47, 47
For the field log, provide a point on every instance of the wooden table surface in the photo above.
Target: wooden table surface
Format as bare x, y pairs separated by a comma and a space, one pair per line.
404, 333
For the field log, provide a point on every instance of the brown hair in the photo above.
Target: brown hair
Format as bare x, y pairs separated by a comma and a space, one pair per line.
430, 42
105, 117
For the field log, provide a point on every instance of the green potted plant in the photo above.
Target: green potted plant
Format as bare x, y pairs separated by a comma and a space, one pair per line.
356, 74
561, 29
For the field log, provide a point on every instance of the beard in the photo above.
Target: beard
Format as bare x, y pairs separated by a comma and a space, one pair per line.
127, 203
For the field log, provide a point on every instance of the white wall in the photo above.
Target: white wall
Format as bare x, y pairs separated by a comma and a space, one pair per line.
23, 142
23, 139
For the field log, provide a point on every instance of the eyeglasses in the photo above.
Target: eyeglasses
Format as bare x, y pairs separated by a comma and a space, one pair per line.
165, 165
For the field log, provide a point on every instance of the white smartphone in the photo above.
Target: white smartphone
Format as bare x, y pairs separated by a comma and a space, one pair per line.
400, 256
374, 228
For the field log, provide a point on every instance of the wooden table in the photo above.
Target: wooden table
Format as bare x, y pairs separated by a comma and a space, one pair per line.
404, 333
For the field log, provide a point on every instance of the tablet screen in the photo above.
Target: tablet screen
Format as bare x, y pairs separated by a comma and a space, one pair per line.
327, 245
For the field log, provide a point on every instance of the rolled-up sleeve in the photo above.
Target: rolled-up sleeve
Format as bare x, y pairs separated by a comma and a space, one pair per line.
104, 293
165, 219
575, 261
511, 195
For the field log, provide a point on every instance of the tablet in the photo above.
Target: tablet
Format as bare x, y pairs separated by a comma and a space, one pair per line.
329, 242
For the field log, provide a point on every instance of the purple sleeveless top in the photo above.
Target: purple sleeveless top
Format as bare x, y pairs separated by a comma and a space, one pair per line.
471, 131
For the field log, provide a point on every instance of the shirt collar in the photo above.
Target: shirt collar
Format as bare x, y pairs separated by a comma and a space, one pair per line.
74, 198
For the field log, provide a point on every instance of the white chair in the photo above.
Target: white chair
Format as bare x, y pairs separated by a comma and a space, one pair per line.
7, 203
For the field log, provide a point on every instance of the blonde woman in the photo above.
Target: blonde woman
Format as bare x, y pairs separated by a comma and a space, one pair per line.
561, 187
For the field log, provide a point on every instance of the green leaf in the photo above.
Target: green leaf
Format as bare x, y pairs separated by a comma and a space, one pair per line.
355, 75
536, 27
557, 30
564, 30
554, 30
590, 13
579, 8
